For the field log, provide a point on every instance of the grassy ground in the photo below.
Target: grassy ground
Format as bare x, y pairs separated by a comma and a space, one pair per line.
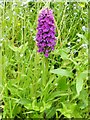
31, 86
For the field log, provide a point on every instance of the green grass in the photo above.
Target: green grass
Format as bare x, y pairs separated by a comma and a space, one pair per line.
35, 87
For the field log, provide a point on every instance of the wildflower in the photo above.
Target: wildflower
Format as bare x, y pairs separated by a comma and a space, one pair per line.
84, 28
46, 32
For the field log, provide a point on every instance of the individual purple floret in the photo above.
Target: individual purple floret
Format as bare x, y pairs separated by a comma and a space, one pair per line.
46, 32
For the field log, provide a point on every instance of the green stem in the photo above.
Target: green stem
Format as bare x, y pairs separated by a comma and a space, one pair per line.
45, 71
46, 68
44, 77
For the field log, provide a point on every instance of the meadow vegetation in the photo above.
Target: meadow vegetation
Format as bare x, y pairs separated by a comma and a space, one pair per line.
33, 87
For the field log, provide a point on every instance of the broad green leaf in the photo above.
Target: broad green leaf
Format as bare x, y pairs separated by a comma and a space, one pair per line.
62, 83
63, 54
62, 72
24, 101
79, 81
56, 52
69, 110
79, 85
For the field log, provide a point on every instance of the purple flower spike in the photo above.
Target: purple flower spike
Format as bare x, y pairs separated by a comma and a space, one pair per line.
46, 32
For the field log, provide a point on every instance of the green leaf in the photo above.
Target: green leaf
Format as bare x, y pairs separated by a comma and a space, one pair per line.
24, 101
82, 37
45, 106
34, 105
51, 112
13, 48
62, 72
20, 49
63, 54
65, 110
69, 110
57, 94
79, 81
62, 83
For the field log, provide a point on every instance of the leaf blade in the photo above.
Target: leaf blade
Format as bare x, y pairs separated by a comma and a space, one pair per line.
62, 72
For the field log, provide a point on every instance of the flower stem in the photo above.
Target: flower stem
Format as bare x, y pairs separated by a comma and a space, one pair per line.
44, 76
45, 71
46, 68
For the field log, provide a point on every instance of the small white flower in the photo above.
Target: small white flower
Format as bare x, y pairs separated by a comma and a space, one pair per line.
86, 12
0, 44
14, 13
84, 28
75, 13
67, 8
34, 38
7, 18
2, 3
30, 10
23, 26
78, 40
56, 84
75, 7
1, 39
69, 43
21, 55
80, 18
84, 45
24, 4
31, 30
15, 4
74, 4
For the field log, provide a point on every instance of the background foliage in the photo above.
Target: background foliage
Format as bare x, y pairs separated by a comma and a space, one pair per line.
26, 91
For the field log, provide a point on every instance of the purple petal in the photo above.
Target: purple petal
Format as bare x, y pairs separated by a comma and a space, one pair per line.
46, 54
45, 30
45, 37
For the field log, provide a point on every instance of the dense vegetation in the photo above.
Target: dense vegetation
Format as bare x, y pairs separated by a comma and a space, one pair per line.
33, 87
